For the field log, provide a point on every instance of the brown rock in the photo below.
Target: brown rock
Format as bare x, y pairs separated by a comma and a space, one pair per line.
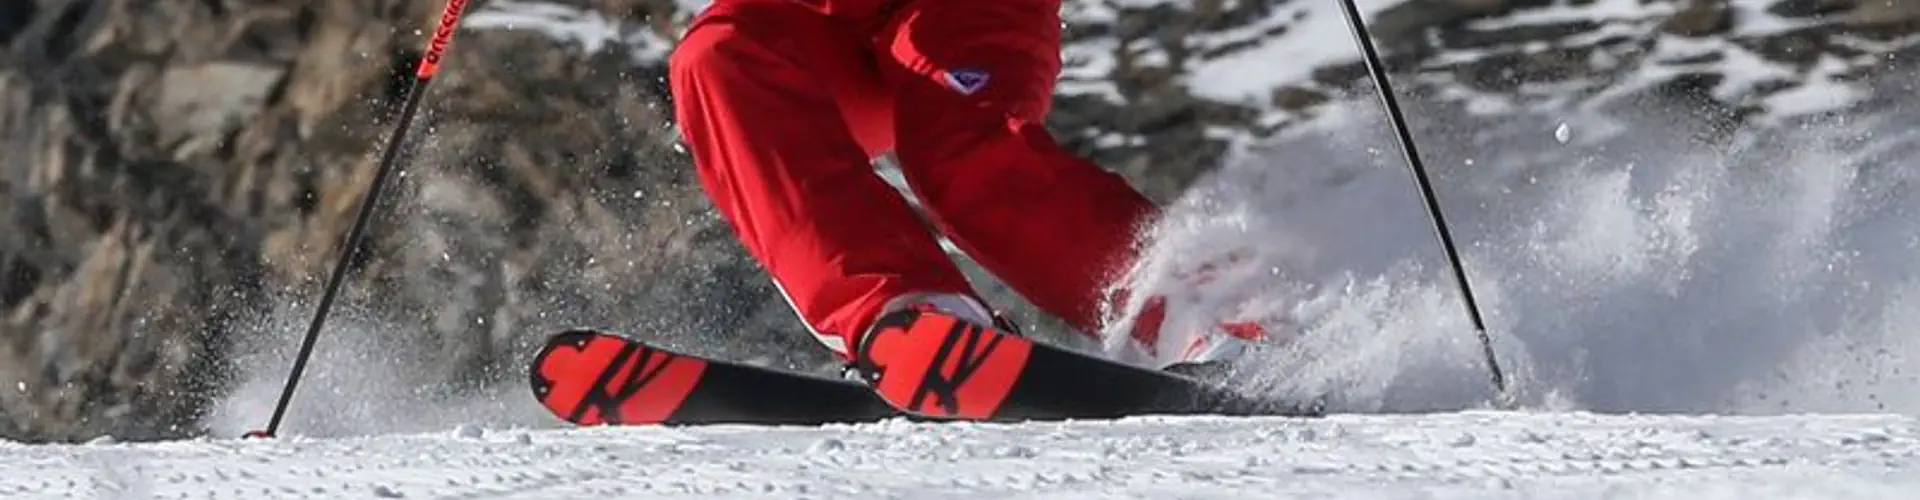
1401, 26
1811, 8
1801, 48
1296, 98
1880, 12
1700, 18
195, 105
1469, 38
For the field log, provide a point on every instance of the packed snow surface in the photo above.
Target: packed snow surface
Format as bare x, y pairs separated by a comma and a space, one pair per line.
1461, 455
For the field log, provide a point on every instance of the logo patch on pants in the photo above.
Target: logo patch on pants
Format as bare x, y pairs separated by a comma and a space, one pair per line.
967, 80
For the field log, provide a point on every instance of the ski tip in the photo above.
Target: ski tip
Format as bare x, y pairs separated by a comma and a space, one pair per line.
576, 339
591, 377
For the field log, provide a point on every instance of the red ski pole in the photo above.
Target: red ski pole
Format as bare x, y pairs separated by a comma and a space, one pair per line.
429, 66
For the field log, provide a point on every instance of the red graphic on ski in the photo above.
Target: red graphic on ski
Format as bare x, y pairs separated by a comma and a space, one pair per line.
939, 366
592, 379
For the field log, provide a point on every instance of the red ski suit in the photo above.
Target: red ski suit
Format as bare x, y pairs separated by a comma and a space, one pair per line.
785, 103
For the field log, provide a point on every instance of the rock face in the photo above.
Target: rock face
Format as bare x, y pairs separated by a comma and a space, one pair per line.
177, 170
1165, 79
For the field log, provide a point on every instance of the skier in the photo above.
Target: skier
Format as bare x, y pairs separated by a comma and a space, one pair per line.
785, 103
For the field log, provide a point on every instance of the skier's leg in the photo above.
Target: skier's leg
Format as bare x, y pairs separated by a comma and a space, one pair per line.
973, 80
763, 93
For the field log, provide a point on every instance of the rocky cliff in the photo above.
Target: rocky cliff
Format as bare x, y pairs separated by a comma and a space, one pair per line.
179, 174
176, 170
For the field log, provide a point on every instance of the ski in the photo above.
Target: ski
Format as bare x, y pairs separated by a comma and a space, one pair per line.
937, 366
589, 377
917, 365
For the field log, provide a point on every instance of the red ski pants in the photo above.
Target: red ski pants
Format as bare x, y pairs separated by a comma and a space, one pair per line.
784, 108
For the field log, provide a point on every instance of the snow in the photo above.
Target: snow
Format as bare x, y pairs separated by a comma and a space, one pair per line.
591, 30
1317, 34
1822, 91
1602, 11
1464, 455
1633, 268
1084, 69
1756, 21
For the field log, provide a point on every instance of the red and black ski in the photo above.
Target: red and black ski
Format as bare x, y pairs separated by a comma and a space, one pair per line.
936, 366
919, 365
598, 378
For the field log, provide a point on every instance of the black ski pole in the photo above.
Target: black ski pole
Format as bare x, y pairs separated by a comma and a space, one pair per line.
429, 66
1377, 70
